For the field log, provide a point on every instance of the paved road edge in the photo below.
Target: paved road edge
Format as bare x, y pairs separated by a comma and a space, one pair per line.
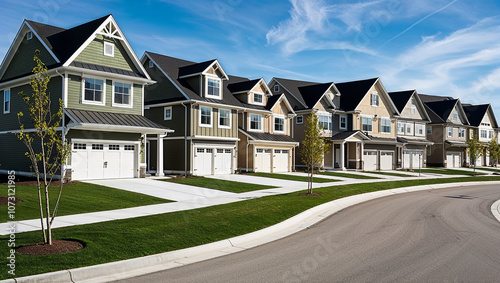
139, 266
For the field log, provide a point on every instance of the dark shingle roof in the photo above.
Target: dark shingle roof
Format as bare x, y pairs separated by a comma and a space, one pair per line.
171, 67
344, 135
401, 98
305, 93
195, 68
271, 100
442, 108
475, 113
242, 86
268, 137
414, 140
351, 93
433, 98
112, 119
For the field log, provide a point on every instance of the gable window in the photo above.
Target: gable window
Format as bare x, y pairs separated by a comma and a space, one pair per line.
257, 97
374, 99
429, 130
413, 110
276, 87
29, 35
93, 91
151, 64
484, 134
205, 116
224, 118
325, 122
419, 128
167, 113
122, 94
343, 122
455, 116
300, 119
213, 87
401, 128
385, 125
109, 49
279, 124
461, 132
450, 131
255, 122
6, 101
366, 124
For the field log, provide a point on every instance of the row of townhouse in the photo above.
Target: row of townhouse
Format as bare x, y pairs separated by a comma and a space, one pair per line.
127, 117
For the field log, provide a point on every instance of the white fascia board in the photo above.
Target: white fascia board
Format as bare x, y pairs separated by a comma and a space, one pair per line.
215, 138
277, 143
119, 128
167, 104
216, 62
80, 71
291, 93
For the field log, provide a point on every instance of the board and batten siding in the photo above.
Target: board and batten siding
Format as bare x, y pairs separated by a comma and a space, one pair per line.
214, 131
94, 54
75, 96
22, 63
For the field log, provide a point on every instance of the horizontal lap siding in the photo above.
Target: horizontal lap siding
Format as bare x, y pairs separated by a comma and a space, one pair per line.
12, 153
156, 114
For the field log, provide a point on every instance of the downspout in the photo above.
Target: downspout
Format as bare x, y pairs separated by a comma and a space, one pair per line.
185, 139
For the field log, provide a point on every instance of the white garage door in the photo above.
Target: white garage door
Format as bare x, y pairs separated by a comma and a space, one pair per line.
263, 160
222, 160
479, 161
412, 158
203, 161
453, 160
102, 161
487, 160
280, 160
386, 160
370, 160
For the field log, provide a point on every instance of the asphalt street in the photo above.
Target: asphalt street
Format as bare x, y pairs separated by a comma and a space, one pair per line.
446, 235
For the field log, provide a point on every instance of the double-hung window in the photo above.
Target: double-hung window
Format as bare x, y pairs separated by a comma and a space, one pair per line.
325, 122
279, 124
484, 134
409, 128
213, 87
6, 101
167, 113
343, 122
429, 130
450, 131
255, 122
419, 129
257, 97
490, 134
94, 91
276, 87
366, 123
205, 116
385, 125
455, 116
374, 99
461, 132
224, 118
122, 94
401, 128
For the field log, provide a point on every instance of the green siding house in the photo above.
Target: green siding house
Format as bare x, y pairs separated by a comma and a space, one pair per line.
98, 76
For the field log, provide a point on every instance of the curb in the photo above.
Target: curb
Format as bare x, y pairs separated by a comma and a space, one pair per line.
143, 265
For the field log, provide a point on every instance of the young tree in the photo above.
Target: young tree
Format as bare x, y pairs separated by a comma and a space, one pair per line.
313, 148
475, 150
46, 149
494, 151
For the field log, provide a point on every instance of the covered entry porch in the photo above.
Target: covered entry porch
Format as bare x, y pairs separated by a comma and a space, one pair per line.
347, 151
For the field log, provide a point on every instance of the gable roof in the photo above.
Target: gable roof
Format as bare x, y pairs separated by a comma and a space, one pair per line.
171, 67
443, 108
433, 98
258, 136
243, 86
401, 98
353, 92
476, 113
306, 94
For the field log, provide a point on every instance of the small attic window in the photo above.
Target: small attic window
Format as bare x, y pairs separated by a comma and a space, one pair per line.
29, 35
151, 64
109, 49
276, 88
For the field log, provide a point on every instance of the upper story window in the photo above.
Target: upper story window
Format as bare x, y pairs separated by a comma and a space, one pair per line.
343, 122
205, 116
429, 130
413, 110
6, 101
94, 91
366, 123
258, 97
325, 122
461, 132
122, 94
409, 128
300, 119
450, 131
29, 35
151, 64
109, 49
455, 116
224, 118
213, 87
255, 122
490, 134
374, 99
167, 113
276, 88
484, 134
385, 125
419, 129
279, 124
401, 128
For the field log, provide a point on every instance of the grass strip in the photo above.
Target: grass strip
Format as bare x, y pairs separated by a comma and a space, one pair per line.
292, 177
76, 198
130, 238
451, 172
389, 173
347, 175
490, 169
216, 184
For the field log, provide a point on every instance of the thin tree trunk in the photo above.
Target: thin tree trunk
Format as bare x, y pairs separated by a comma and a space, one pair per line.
56, 206
40, 205
47, 202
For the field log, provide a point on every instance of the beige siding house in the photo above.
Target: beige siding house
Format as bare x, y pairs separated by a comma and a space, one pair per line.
484, 125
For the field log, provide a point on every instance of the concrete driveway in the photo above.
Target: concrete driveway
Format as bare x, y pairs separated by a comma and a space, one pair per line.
161, 189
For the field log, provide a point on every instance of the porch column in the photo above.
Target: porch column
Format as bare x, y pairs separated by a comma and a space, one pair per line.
362, 154
342, 165
159, 156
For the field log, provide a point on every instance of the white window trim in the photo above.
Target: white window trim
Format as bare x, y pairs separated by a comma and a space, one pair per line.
230, 119
398, 128
372, 100
390, 125
412, 127
113, 49
366, 116
427, 131
103, 103
253, 97
448, 132
211, 117
213, 77
29, 35
340, 122
10, 101
323, 113
297, 121
165, 113
417, 125
284, 123
250, 123
276, 88
131, 105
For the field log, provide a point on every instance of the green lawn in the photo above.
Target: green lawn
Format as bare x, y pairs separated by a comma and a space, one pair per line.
76, 198
446, 171
292, 177
223, 185
489, 169
124, 239
347, 175
389, 173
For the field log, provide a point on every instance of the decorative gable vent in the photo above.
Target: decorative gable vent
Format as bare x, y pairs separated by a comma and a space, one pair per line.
109, 49
29, 35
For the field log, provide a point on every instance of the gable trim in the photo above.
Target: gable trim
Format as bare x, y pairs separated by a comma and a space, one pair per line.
291, 93
388, 98
283, 98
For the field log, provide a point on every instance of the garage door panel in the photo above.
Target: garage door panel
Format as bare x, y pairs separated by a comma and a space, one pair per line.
386, 160
222, 160
263, 160
370, 160
203, 161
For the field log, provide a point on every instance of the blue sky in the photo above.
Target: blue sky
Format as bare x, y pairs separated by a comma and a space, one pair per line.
441, 47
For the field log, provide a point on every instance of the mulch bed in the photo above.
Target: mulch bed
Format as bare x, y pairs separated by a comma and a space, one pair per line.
57, 247
5, 200
29, 181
